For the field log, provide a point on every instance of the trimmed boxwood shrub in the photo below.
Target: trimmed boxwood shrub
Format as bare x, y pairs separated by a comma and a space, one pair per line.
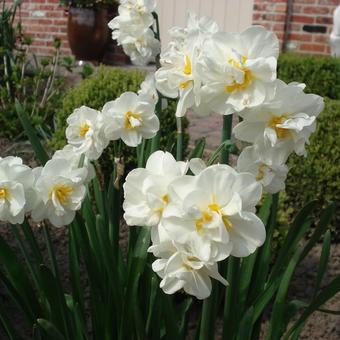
317, 175
320, 74
107, 84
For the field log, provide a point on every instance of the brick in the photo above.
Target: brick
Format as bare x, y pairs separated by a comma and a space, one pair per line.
300, 37
303, 19
297, 8
329, 2
305, 1
321, 38
324, 20
316, 10
312, 47
281, 8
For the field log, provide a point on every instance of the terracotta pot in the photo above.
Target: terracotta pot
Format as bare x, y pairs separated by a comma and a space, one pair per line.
88, 33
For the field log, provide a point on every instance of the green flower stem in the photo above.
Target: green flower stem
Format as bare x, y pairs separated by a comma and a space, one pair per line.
230, 302
156, 140
179, 145
226, 134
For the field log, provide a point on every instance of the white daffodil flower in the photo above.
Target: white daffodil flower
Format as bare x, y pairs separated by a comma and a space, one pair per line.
213, 212
287, 119
84, 132
197, 165
180, 269
146, 190
148, 91
132, 30
237, 70
60, 189
138, 10
267, 164
177, 76
142, 48
73, 156
130, 118
16, 193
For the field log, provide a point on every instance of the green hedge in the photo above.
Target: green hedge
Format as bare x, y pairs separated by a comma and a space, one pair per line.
107, 84
317, 176
320, 74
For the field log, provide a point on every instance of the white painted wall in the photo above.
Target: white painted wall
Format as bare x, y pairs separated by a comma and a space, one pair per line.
231, 15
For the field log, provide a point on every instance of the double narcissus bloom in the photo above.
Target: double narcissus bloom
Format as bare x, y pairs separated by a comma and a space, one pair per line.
130, 118
146, 191
16, 193
196, 220
286, 119
133, 30
60, 189
84, 132
238, 70
177, 76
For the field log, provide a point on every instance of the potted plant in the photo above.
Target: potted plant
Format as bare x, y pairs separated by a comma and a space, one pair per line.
87, 29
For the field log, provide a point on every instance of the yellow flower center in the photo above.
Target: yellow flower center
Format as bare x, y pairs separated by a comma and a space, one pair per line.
280, 132
4, 193
261, 173
207, 217
83, 129
185, 84
187, 70
187, 66
247, 78
165, 200
62, 192
132, 120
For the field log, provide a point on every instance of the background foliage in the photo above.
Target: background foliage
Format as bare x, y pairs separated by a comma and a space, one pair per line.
320, 74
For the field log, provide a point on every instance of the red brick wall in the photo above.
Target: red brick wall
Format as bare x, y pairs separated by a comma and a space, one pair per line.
44, 20
307, 15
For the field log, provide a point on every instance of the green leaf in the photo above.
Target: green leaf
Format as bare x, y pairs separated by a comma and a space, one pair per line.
31, 134
198, 150
276, 326
55, 296
244, 329
31, 240
264, 253
324, 258
326, 293
225, 146
247, 265
17, 280
320, 229
51, 330
7, 325
300, 225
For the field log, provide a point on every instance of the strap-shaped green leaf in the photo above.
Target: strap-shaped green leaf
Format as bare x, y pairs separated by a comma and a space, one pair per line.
40, 152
